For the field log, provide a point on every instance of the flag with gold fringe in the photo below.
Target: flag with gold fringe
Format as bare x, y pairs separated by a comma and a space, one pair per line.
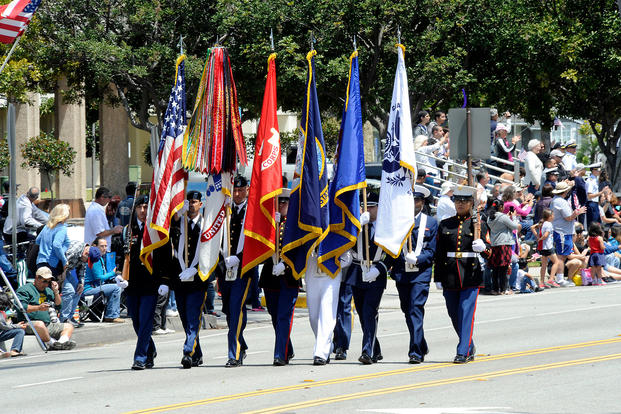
260, 226
344, 202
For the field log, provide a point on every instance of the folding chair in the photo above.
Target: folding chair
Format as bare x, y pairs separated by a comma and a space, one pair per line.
93, 307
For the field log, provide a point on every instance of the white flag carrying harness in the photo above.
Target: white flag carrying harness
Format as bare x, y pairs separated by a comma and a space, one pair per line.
181, 247
419, 242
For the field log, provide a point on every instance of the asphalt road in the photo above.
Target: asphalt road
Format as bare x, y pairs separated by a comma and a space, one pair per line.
553, 352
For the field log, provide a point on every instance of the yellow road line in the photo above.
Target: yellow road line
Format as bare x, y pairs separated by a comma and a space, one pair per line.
374, 375
436, 383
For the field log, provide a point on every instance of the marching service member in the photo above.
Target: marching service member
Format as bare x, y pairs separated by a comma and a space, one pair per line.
458, 268
367, 278
281, 290
190, 289
233, 286
412, 274
143, 287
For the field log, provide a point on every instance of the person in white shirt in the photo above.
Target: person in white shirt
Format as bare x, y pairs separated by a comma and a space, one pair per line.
533, 166
95, 221
482, 181
29, 217
593, 193
446, 207
569, 160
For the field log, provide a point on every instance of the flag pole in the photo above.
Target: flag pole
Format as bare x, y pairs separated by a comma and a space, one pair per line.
228, 239
367, 258
277, 251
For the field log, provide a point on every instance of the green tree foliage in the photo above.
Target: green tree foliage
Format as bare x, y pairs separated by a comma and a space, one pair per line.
49, 155
4, 153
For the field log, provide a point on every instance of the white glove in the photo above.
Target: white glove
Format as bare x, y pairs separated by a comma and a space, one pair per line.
411, 258
279, 269
118, 279
231, 262
277, 217
364, 218
478, 246
346, 259
184, 209
187, 274
163, 290
371, 275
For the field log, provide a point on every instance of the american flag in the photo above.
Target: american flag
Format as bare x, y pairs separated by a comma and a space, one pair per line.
14, 17
167, 185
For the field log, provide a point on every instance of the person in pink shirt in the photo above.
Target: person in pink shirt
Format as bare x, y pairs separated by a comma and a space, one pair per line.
510, 198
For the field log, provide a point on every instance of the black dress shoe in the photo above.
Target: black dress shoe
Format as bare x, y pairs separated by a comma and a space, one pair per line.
365, 359
279, 362
138, 366
319, 361
340, 354
460, 359
186, 361
150, 361
232, 363
376, 358
471, 355
416, 360
197, 362
290, 357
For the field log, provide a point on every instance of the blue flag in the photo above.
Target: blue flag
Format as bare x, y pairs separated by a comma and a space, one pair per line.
307, 218
344, 203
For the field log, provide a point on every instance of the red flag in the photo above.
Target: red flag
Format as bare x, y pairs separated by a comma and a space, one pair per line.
266, 182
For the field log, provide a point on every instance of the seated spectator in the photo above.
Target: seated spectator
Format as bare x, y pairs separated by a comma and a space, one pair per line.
37, 299
73, 285
29, 217
525, 281
15, 331
98, 279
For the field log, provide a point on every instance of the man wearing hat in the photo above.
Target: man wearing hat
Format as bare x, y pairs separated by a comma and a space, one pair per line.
558, 156
143, 287
551, 175
281, 291
37, 298
593, 193
367, 277
457, 267
579, 193
445, 207
564, 227
412, 274
233, 286
569, 160
190, 289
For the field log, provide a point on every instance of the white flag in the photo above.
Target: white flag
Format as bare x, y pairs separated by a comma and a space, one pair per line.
214, 218
395, 215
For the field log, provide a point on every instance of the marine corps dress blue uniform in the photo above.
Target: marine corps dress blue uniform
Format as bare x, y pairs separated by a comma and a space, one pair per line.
413, 279
458, 268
